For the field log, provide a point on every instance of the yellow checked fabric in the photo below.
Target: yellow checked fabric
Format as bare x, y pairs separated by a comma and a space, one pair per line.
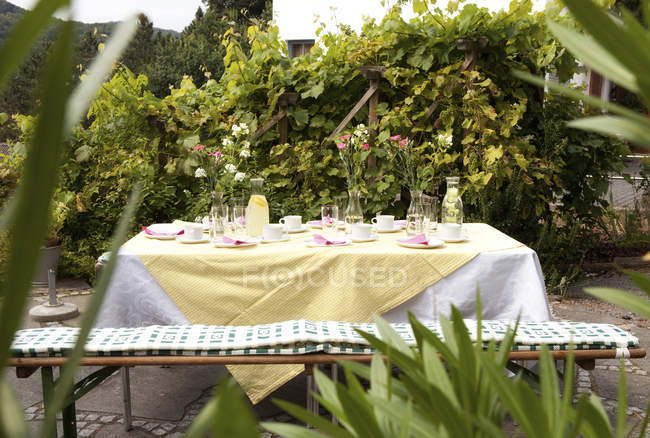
282, 281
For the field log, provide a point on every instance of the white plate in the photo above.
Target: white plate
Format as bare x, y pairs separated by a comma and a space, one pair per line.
315, 224
310, 243
433, 243
163, 228
302, 229
395, 229
285, 238
182, 239
461, 238
372, 238
221, 244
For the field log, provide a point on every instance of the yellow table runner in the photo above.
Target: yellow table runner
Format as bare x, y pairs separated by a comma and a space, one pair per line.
282, 281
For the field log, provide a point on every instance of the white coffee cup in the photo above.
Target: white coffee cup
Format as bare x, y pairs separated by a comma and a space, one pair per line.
361, 231
384, 222
273, 231
450, 231
292, 222
193, 231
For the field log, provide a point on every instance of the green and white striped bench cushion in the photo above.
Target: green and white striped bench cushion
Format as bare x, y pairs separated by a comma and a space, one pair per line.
297, 337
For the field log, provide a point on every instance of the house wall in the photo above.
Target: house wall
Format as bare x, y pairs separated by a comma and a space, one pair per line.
299, 19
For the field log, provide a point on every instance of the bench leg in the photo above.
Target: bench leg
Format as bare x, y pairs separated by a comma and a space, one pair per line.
335, 379
312, 403
70, 421
126, 397
47, 380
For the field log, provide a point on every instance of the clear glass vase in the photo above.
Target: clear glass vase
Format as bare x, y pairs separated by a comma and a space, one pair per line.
217, 213
415, 214
353, 212
452, 205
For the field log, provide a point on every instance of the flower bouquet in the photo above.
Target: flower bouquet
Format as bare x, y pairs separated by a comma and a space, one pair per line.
354, 150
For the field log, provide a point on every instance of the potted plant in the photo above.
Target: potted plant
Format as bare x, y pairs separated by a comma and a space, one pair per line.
51, 250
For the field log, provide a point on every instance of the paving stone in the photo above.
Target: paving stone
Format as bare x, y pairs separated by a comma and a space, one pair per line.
29, 417
138, 423
81, 424
40, 417
159, 432
92, 417
168, 426
31, 410
150, 426
85, 432
107, 418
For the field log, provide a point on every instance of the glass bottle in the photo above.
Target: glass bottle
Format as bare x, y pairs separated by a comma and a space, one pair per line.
258, 208
415, 214
216, 209
452, 205
353, 212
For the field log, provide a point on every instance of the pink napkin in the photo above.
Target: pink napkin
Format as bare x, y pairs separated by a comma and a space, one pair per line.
324, 241
420, 239
156, 233
235, 241
400, 223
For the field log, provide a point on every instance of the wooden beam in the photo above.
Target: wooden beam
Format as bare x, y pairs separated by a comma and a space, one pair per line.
354, 110
268, 125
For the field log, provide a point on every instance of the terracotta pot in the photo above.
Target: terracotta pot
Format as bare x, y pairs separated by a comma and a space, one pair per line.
49, 259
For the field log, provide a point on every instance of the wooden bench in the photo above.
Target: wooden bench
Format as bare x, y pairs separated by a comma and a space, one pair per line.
289, 342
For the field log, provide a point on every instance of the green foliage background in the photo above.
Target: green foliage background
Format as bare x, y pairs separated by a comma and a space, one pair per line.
511, 147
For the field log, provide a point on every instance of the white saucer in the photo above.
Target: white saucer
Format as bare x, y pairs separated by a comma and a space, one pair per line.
182, 239
461, 238
285, 238
149, 236
221, 244
433, 243
372, 238
395, 229
310, 243
302, 229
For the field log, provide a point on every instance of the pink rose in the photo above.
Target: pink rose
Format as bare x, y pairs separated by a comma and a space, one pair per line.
403, 142
199, 147
366, 146
346, 137
341, 146
396, 137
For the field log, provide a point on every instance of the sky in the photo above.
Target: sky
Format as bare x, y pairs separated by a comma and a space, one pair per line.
165, 14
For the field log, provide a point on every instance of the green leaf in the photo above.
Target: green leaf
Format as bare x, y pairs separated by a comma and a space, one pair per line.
23, 36
29, 220
228, 414
290, 430
3, 118
314, 91
82, 153
621, 298
66, 380
313, 420
12, 418
593, 54
621, 402
101, 66
642, 281
299, 114
631, 130
191, 141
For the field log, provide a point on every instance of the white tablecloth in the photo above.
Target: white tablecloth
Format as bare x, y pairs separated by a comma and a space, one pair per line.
510, 281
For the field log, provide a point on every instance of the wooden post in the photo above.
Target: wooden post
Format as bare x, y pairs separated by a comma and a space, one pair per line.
373, 74
284, 101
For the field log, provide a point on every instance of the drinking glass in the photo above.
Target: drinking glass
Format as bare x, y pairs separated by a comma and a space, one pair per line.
239, 221
430, 211
329, 220
415, 220
219, 220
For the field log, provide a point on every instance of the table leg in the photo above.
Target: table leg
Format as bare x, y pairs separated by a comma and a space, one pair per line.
126, 398
47, 380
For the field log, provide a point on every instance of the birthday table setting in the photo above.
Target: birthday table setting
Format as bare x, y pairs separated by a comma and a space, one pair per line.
236, 267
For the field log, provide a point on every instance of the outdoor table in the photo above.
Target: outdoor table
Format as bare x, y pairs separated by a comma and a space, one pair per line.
167, 282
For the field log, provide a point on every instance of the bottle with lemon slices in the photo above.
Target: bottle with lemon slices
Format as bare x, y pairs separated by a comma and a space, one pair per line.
258, 209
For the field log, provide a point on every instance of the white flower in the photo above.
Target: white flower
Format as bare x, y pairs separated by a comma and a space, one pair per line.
187, 192
245, 153
445, 139
200, 173
239, 176
244, 128
235, 129
226, 142
246, 144
230, 168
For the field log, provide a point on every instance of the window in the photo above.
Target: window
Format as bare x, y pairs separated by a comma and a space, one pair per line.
299, 47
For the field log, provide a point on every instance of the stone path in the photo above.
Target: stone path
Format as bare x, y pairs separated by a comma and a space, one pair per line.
166, 399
